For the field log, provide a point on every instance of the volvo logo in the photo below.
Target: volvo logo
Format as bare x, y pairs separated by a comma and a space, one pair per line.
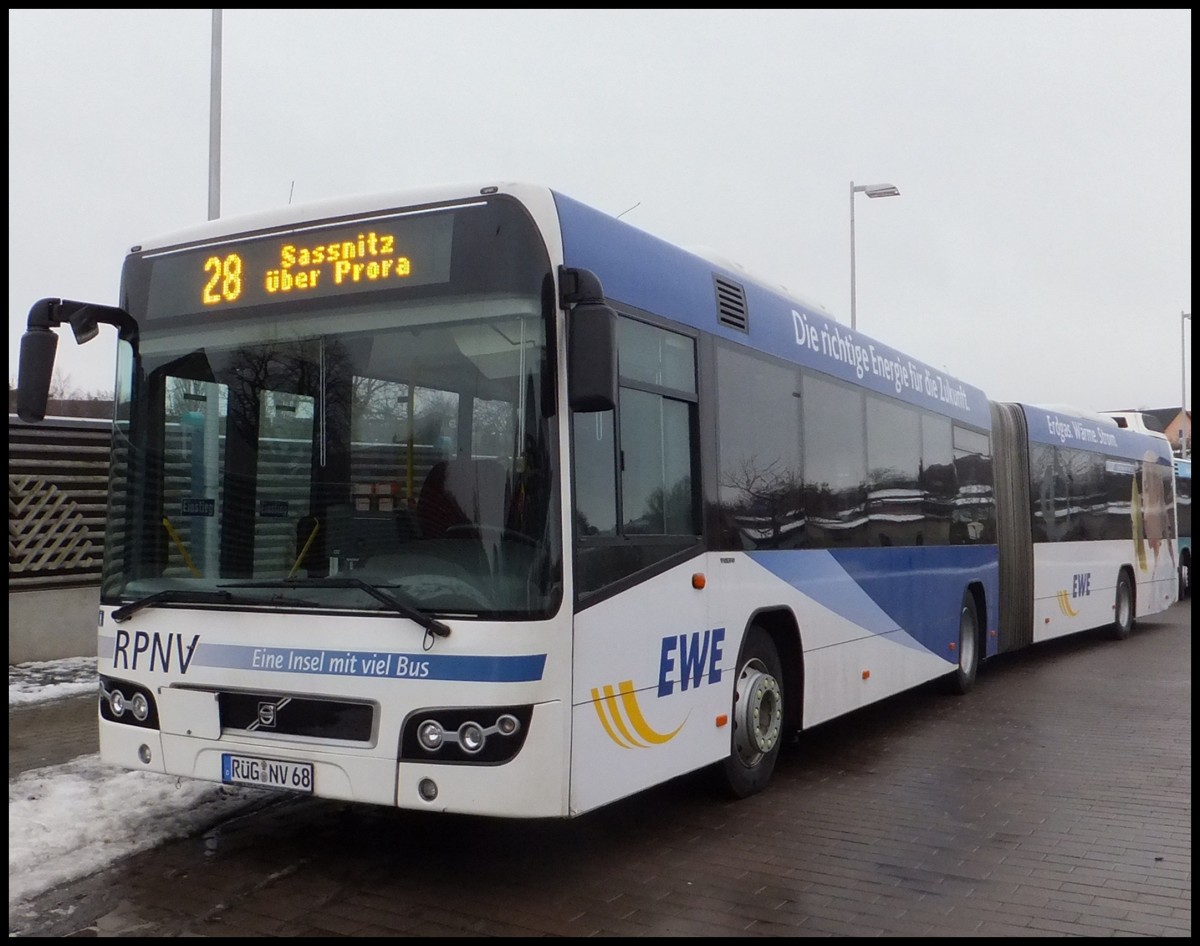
268, 714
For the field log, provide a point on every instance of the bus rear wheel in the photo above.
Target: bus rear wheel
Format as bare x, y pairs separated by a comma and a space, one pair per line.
757, 716
962, 680
1123, 609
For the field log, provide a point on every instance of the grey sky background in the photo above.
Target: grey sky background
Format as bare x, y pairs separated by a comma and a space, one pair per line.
1041, 247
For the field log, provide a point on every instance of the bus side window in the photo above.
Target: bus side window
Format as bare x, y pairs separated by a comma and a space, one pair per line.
595, 474
651, 443
657, 427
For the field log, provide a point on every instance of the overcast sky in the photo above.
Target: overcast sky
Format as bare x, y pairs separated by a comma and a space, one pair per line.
1040, 247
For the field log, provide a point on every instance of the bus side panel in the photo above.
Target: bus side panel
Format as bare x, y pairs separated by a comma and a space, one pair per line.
1158, 592
655, 666
875, 622
651, 675
1075, 584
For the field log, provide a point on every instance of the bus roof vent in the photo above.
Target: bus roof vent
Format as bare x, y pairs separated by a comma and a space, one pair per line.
731, 304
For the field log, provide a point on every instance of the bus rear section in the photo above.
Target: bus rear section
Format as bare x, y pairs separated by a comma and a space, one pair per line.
1087, 524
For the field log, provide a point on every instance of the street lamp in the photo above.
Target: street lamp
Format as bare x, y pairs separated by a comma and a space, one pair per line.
871, 190
1183, 424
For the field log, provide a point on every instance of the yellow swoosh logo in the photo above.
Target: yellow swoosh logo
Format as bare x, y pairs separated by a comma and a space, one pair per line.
622, 719
1064, 604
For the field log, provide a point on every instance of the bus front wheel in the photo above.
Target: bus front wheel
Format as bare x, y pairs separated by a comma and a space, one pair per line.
757, 716
1123, 609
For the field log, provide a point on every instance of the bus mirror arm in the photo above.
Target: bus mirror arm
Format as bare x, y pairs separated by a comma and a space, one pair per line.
591, 342
578, 285
84, 318
39, 345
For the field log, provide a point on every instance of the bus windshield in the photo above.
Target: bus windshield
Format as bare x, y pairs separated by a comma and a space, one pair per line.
308, 453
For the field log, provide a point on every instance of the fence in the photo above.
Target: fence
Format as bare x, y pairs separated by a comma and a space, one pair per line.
57, 476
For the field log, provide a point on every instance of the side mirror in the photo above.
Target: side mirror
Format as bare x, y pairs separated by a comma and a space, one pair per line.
38, 346
592, 358
591, 342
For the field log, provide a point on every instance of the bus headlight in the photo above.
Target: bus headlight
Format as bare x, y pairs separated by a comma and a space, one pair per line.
470, 737
129, 703
431, 735
475, 734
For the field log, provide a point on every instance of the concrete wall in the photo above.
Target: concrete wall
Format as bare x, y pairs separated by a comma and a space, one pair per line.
51, 624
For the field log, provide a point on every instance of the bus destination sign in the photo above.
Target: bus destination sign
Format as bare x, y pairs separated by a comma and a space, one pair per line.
310, 263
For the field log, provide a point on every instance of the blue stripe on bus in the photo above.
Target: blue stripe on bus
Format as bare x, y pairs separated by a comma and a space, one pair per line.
332, 662
916, 590
363, 664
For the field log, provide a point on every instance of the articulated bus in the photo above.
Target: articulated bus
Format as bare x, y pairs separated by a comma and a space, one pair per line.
479, 500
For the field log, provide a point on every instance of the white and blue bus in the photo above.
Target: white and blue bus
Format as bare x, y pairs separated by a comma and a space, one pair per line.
480, 500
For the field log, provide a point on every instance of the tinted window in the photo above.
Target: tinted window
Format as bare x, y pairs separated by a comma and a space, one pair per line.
759, 455
894, 500
974, 516
835, 462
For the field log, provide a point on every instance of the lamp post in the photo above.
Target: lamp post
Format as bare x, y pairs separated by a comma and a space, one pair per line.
1183, 424
214, 119
871, 190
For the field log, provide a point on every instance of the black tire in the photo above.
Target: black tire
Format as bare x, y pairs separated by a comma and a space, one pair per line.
757, 717
962, 680
1123, 609
1185, 576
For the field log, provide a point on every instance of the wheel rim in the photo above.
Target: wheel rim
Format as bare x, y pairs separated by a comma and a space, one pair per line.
758, 713
966, 642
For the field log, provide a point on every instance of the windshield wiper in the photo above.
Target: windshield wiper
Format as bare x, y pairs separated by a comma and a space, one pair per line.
171, 594
431, 624
195, 596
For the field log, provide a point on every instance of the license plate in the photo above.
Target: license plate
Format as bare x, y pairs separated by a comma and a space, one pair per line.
266, 773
